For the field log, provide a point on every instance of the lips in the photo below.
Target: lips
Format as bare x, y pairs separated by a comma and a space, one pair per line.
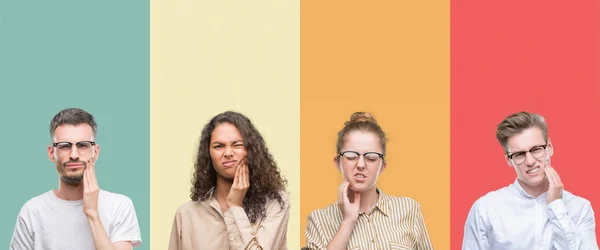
228, 164
533, 171
74, 166
360, 177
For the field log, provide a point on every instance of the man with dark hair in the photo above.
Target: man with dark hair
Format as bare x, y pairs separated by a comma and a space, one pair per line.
534, 212
77, 215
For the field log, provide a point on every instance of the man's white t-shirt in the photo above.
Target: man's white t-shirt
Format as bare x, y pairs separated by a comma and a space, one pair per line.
47, 222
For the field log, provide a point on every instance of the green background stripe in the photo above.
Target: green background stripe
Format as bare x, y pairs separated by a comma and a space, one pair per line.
92, 55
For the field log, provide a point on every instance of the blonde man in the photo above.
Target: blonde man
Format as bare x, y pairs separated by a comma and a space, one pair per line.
534, 212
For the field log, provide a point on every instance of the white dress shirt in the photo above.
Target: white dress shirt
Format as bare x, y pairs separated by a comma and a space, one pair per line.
509, 218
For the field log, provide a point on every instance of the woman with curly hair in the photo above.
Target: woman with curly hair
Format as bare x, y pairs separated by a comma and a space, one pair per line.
238, 194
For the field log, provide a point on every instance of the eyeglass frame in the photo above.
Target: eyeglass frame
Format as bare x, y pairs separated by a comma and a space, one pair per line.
510, 156
92, 143
381, 156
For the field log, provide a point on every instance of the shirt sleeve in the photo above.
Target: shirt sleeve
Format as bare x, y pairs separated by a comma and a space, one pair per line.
271, 233
23, 236
175, 240
423, 240
475, 234
126, 227
314, 234
569, 234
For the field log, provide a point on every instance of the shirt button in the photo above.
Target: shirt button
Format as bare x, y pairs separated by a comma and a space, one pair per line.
372, 240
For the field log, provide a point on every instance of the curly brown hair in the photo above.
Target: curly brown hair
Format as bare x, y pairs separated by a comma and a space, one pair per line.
266, 181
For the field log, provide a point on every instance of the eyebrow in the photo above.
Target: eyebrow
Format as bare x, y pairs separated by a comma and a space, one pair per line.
525, 150
71, 142
233, 142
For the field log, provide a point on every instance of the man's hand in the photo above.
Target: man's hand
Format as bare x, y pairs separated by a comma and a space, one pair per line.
90, 191
556, 187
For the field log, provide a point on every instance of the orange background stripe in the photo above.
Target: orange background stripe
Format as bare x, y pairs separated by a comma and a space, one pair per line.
390, 58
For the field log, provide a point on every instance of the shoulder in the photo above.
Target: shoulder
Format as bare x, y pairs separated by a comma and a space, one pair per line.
36, 203
285, 197
114, 198
401, 206
572, 200
319, 219
493, 197
273, 201
275, 206
403, 201
328, 212
187, 208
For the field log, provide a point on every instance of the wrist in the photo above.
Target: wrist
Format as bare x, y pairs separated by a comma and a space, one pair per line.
349, 221
92, 216
233, 204
93, 221
553, 200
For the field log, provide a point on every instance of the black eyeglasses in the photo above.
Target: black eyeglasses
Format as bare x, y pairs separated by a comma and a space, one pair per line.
519, 157
350, 158
83, 147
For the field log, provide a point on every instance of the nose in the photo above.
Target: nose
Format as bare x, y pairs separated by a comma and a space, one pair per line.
74, 153
361, 162
228, 152
529, 159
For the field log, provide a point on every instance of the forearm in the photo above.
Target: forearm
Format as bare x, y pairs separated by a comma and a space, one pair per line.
342, 237
567, 240
568, 234
237, 224
271, 233
101, 240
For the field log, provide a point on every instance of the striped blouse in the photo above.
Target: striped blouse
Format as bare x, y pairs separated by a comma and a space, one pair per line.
394, 223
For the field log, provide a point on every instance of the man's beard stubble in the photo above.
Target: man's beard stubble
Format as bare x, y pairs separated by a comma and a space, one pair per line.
73, 180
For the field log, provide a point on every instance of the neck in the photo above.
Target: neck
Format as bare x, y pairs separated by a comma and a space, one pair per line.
368, 199
222, 189
535, 191
70, 192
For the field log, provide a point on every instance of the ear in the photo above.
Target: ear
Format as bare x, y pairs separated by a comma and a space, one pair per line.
335, 163
508, 161
550, 147
51, 153
383, 167
96, 152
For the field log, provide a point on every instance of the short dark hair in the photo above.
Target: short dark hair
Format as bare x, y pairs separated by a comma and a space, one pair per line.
73, 116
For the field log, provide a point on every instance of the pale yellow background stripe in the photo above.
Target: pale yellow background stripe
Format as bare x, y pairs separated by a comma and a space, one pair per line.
211, 56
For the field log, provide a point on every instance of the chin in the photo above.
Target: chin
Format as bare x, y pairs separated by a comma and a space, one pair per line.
361, 187
72, 179
534, 182
226, 175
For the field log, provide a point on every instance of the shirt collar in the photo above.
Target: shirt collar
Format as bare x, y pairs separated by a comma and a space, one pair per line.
210, 194
212, 201
382, 202
517, 186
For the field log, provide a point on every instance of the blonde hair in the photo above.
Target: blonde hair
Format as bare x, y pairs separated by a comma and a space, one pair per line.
518, 122
361, 121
